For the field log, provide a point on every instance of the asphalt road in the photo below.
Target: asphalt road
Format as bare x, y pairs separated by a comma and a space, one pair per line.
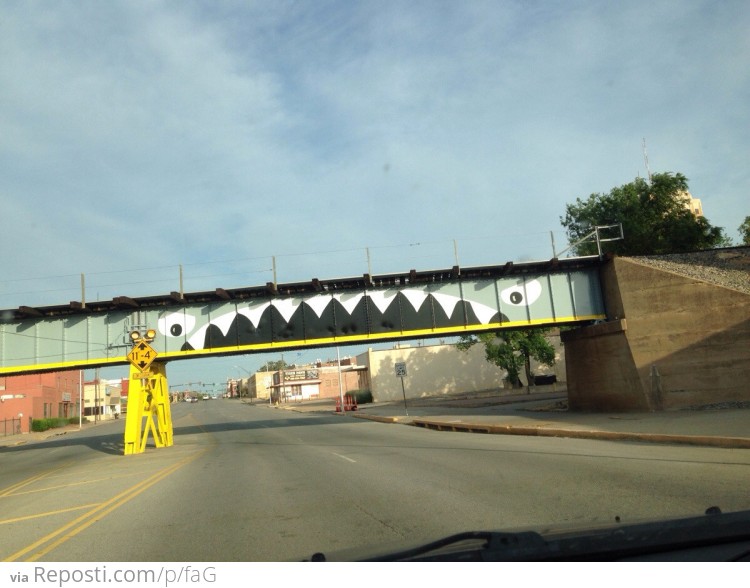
252, 483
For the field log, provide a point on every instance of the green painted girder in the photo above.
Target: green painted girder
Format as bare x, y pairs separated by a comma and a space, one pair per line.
318, 313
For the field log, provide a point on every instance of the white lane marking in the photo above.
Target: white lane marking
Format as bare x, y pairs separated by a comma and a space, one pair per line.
344, 457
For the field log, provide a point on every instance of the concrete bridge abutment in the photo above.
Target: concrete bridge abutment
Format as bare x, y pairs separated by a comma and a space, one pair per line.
669, 342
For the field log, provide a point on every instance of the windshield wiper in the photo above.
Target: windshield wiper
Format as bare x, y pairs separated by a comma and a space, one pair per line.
714, 535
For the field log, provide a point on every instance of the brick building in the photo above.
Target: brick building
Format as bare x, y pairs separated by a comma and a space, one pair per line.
319, 380
37, 396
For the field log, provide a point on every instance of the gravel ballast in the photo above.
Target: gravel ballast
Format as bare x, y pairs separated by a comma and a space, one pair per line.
728, 267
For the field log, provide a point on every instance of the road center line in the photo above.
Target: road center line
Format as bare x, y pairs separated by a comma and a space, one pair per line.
49, 488
75, 526
344, 457
11, 489
50, 513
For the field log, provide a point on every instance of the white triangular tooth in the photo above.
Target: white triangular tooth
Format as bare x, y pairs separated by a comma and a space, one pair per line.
349, 301
224, 322
318, 303
416, 297
254, 312
447, 302
198, 340
382, 298
286, 307
484, 313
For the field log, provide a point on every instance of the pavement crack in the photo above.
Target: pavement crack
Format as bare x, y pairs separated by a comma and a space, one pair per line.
380, 521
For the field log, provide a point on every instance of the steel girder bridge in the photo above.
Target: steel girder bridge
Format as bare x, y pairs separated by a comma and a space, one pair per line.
277, 317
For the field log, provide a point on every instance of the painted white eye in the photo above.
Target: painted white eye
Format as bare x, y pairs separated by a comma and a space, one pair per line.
522, 295
176, 324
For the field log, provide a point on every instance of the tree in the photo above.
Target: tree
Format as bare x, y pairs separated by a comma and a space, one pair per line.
654, 218
744, 230
273, 366
513, 351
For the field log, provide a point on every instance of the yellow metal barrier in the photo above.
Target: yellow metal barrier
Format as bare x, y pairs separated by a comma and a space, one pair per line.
148, 398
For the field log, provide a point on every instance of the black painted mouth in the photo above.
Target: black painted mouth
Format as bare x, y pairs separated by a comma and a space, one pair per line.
306, 327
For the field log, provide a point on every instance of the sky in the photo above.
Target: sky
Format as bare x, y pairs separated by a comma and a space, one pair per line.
327, 138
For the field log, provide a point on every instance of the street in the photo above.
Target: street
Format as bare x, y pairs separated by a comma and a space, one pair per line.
254, 483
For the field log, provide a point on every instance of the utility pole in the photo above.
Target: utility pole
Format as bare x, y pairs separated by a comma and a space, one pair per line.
645, 158
341, 384
80, 399
96, 396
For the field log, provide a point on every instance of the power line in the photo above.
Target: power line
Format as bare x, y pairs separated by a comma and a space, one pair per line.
234, 261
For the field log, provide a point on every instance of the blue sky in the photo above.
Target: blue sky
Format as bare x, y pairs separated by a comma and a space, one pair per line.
136, 137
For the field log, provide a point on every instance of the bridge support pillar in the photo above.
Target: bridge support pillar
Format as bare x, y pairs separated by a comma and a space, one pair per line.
148, 410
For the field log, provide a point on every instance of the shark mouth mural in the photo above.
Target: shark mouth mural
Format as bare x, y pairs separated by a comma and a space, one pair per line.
327, 315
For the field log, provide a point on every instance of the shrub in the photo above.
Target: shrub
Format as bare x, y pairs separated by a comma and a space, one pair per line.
39, 425
57, 422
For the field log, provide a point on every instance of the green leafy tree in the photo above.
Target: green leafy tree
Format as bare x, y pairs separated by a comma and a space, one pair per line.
513, 351
725, 241
273, 366
654, 218
744, 230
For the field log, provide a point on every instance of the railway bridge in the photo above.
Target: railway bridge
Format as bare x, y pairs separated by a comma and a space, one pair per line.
645, 337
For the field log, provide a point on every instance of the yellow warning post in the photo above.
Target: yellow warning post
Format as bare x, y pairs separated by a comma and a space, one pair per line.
148, 398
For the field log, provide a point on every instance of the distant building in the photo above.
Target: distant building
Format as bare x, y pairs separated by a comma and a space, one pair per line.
257, 386
694, 205
432, 370
234, 387
318, 380
38, 396
302, 382
353, 377
102, 399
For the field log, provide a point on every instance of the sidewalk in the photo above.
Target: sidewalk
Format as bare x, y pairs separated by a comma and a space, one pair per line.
33, 436
546, 415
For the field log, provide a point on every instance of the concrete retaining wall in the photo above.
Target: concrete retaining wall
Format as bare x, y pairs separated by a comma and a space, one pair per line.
670, 342
435, 370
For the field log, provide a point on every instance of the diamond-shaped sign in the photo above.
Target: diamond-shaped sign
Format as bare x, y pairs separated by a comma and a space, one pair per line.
142, 355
